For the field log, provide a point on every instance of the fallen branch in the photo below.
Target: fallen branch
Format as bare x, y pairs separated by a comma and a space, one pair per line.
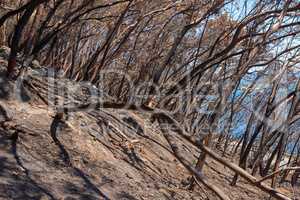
36, 91
277, 172
187, 165
251, 179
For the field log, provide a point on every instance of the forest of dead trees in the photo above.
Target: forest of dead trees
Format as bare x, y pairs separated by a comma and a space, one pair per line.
225, 72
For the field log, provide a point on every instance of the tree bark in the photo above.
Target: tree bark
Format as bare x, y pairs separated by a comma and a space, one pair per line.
18, 34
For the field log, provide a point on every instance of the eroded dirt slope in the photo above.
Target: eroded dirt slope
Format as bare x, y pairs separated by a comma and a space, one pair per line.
97, 154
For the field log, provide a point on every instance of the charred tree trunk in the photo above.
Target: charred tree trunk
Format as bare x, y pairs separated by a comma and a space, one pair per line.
200, 162
279, 157
286, 173
242, 163
18, 34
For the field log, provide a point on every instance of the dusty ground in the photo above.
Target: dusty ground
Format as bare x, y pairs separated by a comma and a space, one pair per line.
107, 154
87, 161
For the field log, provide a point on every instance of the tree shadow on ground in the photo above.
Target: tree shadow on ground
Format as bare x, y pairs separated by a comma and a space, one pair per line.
17, 183
57, 126
4, 86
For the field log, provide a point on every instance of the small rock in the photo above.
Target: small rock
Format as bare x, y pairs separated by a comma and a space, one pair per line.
35, 64
4, 52
127, 175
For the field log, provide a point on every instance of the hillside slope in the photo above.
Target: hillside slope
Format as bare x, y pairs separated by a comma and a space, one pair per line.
96, 154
